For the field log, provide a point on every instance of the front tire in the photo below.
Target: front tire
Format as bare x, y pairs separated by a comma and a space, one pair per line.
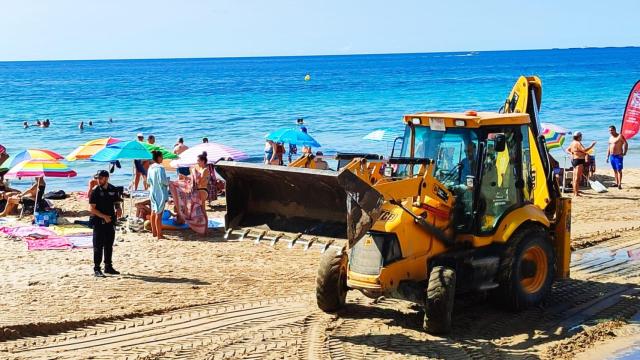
439, 300
527, 269
331, 281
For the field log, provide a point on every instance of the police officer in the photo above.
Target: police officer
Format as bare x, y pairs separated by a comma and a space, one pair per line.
105, 202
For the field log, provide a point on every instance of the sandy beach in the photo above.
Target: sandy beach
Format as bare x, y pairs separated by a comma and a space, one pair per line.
49, 298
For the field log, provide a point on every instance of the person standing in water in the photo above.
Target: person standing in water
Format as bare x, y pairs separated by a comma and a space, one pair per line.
616, 152
578, 160
81, 125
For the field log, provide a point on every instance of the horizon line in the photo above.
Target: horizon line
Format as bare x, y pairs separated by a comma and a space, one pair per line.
321, 55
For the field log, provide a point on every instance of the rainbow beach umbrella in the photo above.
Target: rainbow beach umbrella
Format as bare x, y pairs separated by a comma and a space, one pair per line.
36, 168
554, 135
35, 154
90, 148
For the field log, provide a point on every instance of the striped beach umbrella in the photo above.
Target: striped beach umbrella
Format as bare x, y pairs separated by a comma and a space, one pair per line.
553, 139
36, 168
34, 154
554, 135
90, 148
214, 152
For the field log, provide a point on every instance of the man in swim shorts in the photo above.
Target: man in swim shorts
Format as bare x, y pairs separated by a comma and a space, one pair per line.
618, 147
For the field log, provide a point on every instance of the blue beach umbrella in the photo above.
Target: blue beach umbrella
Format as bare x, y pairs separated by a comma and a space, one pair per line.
126, 150
292, 136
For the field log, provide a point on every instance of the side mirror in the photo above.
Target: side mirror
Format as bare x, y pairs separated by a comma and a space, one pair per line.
500, 143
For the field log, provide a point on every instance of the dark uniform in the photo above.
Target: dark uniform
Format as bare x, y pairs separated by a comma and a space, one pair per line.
104, 233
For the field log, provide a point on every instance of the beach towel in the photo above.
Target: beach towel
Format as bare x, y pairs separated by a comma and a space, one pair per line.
49, 243
188, 204
25, 231
80, 241
66, 230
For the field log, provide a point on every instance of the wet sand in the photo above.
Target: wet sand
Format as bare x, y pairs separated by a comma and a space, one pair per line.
49, 292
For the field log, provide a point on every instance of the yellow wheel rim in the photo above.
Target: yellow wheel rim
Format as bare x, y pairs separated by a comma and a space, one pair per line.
535, 255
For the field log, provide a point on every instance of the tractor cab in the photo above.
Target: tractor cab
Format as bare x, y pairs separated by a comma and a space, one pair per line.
481, 158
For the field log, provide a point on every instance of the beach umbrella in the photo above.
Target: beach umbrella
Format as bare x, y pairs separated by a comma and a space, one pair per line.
35, 168
292, 136
124, 150
34, 154
166, 154
554, 128
553, 139
90, 148
214, 152
554, 135
381, 135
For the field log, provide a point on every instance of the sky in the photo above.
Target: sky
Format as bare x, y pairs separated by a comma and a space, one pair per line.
123, 29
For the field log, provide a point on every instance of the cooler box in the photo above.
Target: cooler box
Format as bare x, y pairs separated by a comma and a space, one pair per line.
46, 218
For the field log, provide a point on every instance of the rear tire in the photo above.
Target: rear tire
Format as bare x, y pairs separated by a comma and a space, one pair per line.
527, 269
439, 300
331, 282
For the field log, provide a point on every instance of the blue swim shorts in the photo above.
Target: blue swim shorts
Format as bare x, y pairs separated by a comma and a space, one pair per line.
616, 162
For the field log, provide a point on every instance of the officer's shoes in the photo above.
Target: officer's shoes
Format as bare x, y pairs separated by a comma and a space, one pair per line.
98, 273
111, 271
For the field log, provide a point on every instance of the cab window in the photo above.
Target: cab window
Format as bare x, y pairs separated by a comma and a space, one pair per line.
500, 174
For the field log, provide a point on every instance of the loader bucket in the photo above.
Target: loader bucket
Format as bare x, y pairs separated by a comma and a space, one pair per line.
299, 200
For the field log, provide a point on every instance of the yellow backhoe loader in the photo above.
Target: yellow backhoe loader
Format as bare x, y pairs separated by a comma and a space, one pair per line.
468, 204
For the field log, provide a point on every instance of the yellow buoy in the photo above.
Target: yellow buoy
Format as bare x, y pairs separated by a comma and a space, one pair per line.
307, 77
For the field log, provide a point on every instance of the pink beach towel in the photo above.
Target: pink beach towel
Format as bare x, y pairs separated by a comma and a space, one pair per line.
188, 204
49, 243
25, 231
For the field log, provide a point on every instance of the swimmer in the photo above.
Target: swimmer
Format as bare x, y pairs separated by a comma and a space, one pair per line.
90, 123
25, 125
81, 125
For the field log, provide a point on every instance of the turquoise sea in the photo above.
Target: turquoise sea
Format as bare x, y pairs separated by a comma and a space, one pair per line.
236, 101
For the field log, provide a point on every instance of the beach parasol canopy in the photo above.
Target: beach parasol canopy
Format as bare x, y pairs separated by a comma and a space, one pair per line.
90, 148
554, 135
292, 136
34, 154
381, 135
124, 150
36, 168
554, 128
214, 152
166, 154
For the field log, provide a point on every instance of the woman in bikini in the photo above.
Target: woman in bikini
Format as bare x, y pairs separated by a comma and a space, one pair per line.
578, 160
201, 179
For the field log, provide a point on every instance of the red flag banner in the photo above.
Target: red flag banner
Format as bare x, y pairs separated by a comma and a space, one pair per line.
631, 118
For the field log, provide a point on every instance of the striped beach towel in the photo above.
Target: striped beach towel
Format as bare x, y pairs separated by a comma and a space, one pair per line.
188, 204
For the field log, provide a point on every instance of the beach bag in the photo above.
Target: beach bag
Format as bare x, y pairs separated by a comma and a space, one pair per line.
56, 195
